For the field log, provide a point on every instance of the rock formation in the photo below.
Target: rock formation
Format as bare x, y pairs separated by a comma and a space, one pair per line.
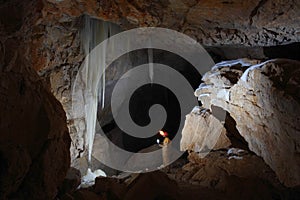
201, 130
259, 23
212, 170
263, 99
52, 37
34, 139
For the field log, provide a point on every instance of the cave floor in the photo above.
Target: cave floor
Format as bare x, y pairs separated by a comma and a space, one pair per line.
217, 176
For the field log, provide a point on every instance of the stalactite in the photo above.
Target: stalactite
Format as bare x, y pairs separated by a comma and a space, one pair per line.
150, 61
92, 87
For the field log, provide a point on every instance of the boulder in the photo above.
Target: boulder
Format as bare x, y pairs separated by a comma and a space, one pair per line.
203, 132
263, 99
237, 173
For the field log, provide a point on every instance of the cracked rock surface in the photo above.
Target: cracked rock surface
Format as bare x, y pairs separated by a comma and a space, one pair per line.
263, 99
212, 23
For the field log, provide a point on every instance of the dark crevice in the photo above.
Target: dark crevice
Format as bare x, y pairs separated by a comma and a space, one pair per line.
110, 126
255, 10
290, 51
233, 77
233, 134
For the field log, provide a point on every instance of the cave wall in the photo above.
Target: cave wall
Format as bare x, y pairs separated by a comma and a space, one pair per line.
212, 23
47, 36
55, 42
34, 139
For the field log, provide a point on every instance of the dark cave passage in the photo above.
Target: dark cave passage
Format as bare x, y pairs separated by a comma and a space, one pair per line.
150, 94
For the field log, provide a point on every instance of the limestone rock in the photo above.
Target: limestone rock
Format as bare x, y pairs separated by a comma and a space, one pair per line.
213, 169
50, 31
202, 131
263, 99
52, 40
34, 140
233, 177
259, 23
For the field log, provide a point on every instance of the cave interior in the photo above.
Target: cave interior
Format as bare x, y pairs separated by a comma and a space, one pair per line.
234, 133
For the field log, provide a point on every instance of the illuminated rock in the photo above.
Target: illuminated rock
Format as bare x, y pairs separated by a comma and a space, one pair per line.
202, 132
263, 99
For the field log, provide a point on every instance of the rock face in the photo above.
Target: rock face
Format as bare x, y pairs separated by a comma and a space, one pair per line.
217, 167
59, 63
233, 172
263, 99
34, 139
201, 129
259, 23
